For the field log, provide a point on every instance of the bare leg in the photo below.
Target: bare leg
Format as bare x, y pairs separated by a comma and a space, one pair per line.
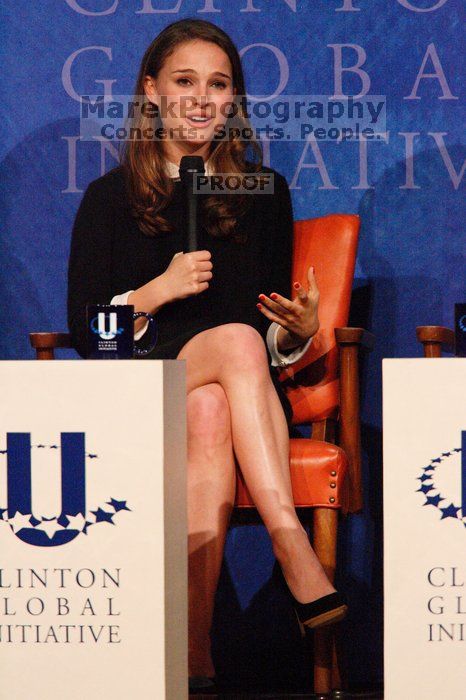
234, 355
211, 496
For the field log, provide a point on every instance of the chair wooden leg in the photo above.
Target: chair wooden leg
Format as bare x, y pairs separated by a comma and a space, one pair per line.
336, 678
324, 430
325, 523
350, 428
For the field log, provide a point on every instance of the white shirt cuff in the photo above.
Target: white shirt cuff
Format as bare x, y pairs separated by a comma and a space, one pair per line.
123, 299
279, 359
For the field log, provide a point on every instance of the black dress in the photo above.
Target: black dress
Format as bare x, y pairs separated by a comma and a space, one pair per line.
110, 255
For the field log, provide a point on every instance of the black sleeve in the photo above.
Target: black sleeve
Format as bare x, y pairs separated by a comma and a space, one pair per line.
89, 268
281, 248
283, 244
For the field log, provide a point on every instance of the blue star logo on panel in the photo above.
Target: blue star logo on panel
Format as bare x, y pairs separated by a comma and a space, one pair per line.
74, 519
443, 483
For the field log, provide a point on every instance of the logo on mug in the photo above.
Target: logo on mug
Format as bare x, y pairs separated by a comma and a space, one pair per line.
99, 325
74, 518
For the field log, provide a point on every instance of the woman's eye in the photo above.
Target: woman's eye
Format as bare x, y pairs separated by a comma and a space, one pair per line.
182, 81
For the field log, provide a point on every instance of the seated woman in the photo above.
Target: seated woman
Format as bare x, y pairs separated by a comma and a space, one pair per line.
223, 308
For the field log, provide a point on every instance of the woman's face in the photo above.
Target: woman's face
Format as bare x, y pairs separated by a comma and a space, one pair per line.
197, 81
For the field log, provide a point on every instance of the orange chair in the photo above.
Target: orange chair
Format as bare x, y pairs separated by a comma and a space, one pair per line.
323, 390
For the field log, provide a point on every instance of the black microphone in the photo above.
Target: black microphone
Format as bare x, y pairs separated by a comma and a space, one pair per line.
189, 167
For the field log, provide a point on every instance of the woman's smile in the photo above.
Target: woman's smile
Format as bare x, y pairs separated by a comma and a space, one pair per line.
200, 122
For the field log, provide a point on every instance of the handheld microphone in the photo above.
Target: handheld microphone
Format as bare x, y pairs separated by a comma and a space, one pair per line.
189, 167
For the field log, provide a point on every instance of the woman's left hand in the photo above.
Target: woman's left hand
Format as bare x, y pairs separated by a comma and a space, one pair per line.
300, 316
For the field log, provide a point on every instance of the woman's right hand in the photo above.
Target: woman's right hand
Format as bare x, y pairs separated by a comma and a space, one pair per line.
187, 274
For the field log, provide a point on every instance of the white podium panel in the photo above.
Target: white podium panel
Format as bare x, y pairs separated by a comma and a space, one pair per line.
424, 436
93, 530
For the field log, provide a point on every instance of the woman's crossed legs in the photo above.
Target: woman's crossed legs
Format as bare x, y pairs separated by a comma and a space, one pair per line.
233, 409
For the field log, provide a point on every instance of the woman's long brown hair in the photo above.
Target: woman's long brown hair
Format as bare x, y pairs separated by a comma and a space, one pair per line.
149, 187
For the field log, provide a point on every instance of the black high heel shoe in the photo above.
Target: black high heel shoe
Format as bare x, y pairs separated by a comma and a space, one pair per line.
203, 685
324, 611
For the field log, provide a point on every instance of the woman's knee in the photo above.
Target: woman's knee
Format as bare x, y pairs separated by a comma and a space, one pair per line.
208, 415
242, 347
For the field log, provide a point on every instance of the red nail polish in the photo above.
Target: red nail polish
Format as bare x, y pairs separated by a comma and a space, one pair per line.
259, 306
261, 296
273, 296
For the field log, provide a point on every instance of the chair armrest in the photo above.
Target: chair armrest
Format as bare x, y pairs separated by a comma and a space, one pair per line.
46, 343
349, 341
355, 336
433, 337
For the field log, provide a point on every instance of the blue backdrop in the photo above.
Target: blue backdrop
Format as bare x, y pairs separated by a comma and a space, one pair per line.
410, 268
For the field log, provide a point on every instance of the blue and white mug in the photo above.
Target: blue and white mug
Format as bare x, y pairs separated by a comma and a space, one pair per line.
110, 332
